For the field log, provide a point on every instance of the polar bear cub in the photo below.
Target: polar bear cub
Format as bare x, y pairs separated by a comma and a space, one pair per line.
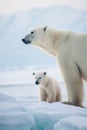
48, 87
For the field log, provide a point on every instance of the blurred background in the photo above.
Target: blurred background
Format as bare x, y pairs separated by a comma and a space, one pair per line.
19, 17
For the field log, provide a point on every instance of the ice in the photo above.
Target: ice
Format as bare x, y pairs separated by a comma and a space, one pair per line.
14, 115
6, 98
21, 110
72, 123
49, 114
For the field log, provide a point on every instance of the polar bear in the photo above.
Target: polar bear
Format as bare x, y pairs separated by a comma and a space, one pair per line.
70, 49
48, 87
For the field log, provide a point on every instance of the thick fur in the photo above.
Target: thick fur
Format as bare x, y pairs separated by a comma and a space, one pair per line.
49, 90
70, 49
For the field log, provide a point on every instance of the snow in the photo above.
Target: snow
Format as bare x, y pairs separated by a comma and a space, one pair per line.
14, 115
66, 124
21, 110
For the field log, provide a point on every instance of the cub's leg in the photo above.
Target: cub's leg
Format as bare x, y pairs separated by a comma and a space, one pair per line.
51, 98
42, 94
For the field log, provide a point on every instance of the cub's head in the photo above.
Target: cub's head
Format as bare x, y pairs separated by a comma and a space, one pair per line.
39, 77
35, 37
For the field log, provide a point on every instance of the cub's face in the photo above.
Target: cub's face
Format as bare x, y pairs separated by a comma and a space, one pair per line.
39, 77
35, 37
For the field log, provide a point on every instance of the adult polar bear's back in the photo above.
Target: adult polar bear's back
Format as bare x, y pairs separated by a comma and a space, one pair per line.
71, 51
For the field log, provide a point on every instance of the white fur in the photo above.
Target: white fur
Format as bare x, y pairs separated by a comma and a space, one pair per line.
48, 88
70, 49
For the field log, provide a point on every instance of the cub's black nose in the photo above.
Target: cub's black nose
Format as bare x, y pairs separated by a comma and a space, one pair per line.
23, 40
36, 83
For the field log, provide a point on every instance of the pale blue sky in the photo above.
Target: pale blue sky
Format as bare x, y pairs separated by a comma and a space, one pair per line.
12, 6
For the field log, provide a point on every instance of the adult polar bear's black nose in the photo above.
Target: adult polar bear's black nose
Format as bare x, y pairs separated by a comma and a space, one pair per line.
23, 40
26, 41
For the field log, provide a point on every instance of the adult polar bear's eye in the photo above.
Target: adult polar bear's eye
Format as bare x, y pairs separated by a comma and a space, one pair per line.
32, 32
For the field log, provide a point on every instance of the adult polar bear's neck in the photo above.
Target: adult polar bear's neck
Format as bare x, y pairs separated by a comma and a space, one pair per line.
52, 40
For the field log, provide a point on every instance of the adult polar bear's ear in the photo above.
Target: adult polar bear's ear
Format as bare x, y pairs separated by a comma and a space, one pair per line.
45, 28
33, 73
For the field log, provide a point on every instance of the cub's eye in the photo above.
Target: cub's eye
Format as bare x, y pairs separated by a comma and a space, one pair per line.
32, 32
39, 77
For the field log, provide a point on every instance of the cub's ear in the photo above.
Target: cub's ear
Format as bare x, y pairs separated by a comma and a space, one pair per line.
33, 73
44, 73
45, 28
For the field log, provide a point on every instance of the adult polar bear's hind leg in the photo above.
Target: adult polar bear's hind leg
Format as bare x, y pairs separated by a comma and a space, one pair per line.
71, 51
58, 97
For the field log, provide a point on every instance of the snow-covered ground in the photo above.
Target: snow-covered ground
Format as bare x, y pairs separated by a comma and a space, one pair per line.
21, 110
15, 115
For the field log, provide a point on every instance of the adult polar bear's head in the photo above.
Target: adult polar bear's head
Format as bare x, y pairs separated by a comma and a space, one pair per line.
35, 37
44, 38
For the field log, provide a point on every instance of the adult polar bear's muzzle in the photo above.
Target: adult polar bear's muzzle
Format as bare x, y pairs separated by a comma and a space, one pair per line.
26, 41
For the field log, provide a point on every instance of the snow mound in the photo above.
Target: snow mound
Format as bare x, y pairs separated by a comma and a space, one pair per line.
72, 123
4, 98
41, 116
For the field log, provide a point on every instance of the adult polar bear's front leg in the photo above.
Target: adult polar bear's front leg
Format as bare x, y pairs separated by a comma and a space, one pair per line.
72, 76
75, 91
